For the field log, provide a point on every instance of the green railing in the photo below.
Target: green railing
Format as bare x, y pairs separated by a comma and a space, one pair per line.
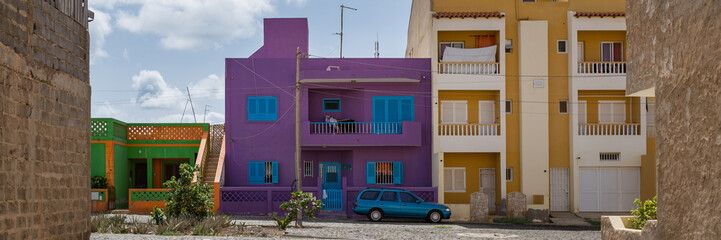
154, 195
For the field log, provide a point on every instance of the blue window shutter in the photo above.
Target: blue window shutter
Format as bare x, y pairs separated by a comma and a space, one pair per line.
393, 110
253, 173
275, 172
397, 172
407, 108
272, 109
262, 109
379, 109
371, 173
252, 109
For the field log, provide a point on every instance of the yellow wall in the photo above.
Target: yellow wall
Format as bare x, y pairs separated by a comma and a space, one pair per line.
592, 97
472, 162
648, 170
592, 43
472, 98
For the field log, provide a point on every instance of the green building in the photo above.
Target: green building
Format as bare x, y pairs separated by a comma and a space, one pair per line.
142, 155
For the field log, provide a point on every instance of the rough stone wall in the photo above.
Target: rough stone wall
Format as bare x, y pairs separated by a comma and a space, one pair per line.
479, 207
44, 123
516, 205
674, 45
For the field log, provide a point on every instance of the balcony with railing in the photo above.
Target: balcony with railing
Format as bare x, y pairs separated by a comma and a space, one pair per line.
472, 68
609, 129
601, 68
469, 52
469, 129
361, 133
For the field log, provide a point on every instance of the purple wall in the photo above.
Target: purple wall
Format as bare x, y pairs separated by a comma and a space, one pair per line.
272, 68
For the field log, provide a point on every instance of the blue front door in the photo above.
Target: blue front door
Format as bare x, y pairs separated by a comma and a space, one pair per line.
332, 195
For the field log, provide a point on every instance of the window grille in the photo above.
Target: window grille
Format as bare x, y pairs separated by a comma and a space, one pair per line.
308, 169
610, 156
384, 173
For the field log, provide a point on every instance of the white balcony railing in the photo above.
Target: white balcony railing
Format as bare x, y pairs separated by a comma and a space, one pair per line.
651, 131
469, 129
474, 68
602, 67
356, 128
609, 129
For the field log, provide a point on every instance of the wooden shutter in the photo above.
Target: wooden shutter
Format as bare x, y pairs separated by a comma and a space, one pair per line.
618, 52
275, 172
252, 109
370, 173
397, 172
272, 109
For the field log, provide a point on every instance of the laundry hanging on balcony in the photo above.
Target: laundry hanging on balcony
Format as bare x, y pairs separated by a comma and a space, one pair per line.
466, 57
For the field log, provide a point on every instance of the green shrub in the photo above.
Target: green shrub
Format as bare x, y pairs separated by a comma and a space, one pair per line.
211, 225
188, 199
158, 215
645, 211
98, 182
298, 200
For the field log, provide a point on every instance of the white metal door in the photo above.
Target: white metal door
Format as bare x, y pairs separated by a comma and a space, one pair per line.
559, 189
609, 189
487, 184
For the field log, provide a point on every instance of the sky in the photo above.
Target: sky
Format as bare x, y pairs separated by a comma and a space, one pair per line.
145, 54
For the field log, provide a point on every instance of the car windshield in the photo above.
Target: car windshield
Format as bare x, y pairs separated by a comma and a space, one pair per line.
408, 197
370, 195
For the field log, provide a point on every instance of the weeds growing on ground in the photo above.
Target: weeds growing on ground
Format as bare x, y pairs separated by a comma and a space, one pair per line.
105, 224
443, 227
511, 220
593, 222
211, 225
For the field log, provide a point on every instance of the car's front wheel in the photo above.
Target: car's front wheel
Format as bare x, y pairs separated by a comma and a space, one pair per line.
434, 216
375, 215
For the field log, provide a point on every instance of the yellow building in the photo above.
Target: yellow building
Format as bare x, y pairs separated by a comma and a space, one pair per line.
529, 96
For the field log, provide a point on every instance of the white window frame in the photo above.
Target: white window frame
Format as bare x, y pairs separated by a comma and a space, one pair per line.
559, 106
581, 51
308, 168
509, 174
480, 111
613, 104
509, 46
453, 112
565, 45
612, 50
453, 175
452, 44
508, 106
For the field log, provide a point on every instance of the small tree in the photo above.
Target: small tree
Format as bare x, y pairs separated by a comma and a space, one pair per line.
98, 182
298, 200
644, 212
185, 198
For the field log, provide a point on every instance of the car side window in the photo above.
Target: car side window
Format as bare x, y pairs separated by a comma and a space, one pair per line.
370, 195
389, 196
407, 197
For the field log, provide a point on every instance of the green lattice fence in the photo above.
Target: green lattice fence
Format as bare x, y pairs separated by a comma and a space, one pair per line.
148, 196
99, 128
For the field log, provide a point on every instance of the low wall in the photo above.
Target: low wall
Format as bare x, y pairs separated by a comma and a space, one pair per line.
617, 227
98, 200
142, 201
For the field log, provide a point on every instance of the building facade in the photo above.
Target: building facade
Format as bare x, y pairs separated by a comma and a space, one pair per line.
363, 123
529, 96
137, 158
44, 114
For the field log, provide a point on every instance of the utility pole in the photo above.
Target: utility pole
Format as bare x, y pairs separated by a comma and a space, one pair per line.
341, 27
206, 112
377, 53
191, 104
298, 177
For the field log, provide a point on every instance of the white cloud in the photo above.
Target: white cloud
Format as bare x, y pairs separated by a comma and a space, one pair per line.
99, 28
107, 110
211, 86
296, 2
154, 92
188, 24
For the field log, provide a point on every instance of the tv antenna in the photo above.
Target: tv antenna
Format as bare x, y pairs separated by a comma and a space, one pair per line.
206, 112
377, 53
341, 26
189, 100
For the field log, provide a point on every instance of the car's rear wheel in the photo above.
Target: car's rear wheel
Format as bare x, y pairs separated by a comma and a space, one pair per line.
375, 215
434, 216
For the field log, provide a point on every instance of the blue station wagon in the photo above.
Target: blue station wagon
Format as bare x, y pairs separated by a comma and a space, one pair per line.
378, 203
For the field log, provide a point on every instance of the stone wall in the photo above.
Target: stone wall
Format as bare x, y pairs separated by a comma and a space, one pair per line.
479, 207
516, 205
44, 122
673, 45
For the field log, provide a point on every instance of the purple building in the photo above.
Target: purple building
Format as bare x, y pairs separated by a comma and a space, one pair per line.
364, 123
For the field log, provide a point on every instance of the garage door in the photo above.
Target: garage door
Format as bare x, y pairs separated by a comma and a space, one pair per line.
609, 189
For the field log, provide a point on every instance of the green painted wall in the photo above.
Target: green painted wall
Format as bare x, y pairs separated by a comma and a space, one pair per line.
121, 176
97, 159
151, 153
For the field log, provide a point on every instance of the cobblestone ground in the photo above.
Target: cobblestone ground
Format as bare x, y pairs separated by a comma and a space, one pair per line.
401, 229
